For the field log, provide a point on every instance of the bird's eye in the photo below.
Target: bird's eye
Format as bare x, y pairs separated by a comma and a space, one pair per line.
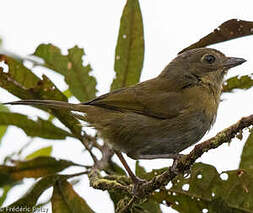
210, 59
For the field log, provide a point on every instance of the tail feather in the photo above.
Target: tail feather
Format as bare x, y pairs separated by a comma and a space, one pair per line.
51, 104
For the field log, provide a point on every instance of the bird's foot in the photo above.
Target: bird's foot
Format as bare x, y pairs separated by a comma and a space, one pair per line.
176, 158
138, 183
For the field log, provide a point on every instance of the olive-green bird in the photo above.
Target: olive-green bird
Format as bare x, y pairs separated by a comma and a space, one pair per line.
160, 117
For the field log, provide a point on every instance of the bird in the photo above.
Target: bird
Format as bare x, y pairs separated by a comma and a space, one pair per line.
160, 117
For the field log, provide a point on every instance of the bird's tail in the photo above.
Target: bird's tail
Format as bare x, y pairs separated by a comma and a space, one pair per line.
51, 104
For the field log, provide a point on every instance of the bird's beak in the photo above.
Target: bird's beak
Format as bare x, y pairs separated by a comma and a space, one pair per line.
233, 62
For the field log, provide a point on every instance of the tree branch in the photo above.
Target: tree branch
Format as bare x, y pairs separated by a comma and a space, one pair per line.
183, 164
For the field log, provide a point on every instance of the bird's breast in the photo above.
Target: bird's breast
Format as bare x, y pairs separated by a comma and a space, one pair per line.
203, 100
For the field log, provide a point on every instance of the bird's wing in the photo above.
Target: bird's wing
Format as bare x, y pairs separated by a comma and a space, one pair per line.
141, 99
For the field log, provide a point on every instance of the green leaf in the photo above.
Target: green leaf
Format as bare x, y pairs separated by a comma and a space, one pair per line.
149, 206
29, 200
140, 172
19, 79
3, 197
231, 29
243, 82
35, 168
45, 151
53, 58
115, 169
67, 93
247, 154
22, 83
19, 73
81, 84
129, 54
205, 189
2, 127
2, 132
40, 128
66, 200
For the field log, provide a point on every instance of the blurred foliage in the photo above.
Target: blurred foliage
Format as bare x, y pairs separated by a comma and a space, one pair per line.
203, 189
66, 200
34, 168
3, 128
243, 82
40, 128
28, 202
45, 151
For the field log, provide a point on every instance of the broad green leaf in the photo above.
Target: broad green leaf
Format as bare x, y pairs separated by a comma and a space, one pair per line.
205, 189
81, 84
66, 200
231, 29
2, 127
45, 151
53, 58
29, 200
243, 82
18, 73
40, 128
18, 80
247, 155
22, 83
35, 168
129, 54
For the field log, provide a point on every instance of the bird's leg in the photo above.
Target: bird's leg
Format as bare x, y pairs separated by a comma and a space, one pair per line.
137, 181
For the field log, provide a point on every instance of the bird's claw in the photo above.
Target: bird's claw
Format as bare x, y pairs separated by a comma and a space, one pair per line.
176, 158
138, 182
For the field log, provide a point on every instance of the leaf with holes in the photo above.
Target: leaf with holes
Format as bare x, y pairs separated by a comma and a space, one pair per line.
53, 58
35, 168
18, 73
207, 189
129, 54
243, 82
66, 200
230, 29
81, 84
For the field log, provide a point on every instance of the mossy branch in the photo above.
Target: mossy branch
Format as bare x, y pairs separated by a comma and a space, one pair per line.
183, 164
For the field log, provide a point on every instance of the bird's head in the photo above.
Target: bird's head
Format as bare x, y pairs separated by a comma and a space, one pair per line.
206, 64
